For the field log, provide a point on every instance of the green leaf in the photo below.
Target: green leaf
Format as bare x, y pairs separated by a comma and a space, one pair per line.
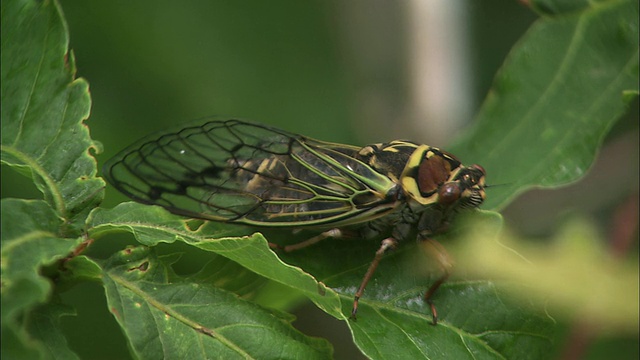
557, 95
153, 225
561, 89
392, 303
44, 325
479, 324
477, 320
42, 137
43, 107
29, 241
165, 317
81, 268
563, 274
559, 7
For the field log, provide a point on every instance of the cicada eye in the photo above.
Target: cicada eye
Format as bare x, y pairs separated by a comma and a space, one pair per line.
449, 193
479, 168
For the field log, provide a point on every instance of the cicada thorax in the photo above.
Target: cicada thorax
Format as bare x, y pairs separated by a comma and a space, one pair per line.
420, 169
434, 183
429, 176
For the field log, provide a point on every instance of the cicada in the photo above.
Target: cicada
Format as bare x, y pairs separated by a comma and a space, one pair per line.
247, 173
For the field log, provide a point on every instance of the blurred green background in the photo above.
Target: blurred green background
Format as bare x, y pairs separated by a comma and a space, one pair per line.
333, 70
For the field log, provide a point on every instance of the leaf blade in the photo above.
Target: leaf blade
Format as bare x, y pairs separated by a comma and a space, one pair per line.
29, 241
180, 319
43, 109
559, 92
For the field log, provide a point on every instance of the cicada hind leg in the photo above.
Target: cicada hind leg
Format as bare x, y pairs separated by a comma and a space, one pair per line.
433, 248
436, 251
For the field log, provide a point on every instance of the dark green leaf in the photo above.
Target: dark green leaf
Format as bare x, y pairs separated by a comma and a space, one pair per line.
30, 240
559, 6
559, 92
188, 320
477, 324
477, 320
83, 268
43, 107
44, 325
153, 225
392, 303
15, 346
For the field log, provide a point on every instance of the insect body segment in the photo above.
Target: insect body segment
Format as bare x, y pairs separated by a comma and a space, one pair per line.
242, 172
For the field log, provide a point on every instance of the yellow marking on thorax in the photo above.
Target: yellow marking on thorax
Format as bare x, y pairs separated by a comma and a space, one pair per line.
410, 183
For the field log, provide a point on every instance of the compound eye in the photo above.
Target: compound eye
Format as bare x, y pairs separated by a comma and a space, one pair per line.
449, 193
479, 168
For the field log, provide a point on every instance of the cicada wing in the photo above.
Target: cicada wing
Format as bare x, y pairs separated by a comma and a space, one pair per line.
248, 173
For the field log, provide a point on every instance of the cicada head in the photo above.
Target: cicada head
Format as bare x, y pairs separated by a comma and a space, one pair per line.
466, 189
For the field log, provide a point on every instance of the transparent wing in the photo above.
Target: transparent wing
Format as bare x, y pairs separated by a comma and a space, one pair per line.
248, 173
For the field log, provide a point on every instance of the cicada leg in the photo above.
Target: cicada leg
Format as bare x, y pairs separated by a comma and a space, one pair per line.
387, 244
435, 250
333, 233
